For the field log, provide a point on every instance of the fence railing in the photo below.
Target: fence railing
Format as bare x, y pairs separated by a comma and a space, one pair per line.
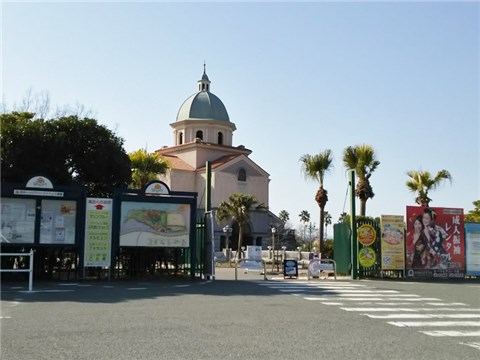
315, 266
29, 270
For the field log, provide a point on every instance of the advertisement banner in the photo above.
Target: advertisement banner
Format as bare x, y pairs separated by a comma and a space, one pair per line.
393, 242
472, 248
98, 230
435, 245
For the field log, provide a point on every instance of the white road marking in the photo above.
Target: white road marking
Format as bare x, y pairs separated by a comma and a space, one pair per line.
452, 333
376, 309
345, 298
433, 323
446, 304
424, 316
136, 288
475, 345
326, 298
332, 303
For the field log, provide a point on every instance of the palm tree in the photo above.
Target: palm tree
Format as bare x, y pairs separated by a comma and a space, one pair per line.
284, 216
238, 208
315, 167
474, 215
361, 158
421, 182
146, 167
328, 221
343, 218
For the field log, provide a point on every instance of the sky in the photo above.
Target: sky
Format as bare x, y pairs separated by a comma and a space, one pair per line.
296, 79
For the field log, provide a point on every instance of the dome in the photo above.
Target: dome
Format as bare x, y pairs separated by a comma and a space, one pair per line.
203, 106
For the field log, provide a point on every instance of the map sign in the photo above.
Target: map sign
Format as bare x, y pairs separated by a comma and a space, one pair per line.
154, 224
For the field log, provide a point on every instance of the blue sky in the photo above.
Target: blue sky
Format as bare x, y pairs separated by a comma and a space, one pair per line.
296, 78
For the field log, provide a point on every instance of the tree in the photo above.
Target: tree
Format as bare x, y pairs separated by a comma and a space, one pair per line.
328, 221
284, 216
474, 215
238, 208
68, 150
314, 167
421, 182
361, 159
146, 167
344, 218
304, 216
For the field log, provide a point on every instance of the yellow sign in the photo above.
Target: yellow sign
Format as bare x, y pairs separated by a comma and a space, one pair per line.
366, 235
367, 257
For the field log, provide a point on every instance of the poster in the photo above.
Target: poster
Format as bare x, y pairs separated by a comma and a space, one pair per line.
472, 248
154, 224
17, 221
57, 222
98, 232
435, 245
392, 242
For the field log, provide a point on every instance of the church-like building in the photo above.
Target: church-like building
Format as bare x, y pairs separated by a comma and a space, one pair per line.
203, 132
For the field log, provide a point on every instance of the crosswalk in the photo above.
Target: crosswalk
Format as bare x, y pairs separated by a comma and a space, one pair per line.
430, 316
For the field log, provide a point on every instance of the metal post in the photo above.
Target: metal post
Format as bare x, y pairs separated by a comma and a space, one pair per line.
353, 224
30, 274
273, 248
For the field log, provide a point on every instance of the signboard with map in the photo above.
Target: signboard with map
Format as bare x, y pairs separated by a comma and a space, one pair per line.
154, 224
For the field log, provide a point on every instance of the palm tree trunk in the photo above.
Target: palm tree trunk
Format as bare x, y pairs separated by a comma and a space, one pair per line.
240, 238
363, 207
322, 218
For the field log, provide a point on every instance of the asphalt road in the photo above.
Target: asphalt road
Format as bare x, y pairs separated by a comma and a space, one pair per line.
245, 319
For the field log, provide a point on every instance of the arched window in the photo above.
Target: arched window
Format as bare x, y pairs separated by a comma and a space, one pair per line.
242, 175
199, 134
220, 138
180, 138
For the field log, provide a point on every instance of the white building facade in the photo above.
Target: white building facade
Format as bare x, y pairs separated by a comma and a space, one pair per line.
203, 132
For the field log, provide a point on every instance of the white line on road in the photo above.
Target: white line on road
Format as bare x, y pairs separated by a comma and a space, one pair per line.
424, 316
475, 345
345, 298
332, 303
389, 296
446, 304
452, 333
433, 323
326, 298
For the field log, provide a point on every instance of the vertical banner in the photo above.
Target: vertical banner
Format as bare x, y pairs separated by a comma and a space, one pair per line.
98, 232
366, 236
393, 242
435, 242
472, 248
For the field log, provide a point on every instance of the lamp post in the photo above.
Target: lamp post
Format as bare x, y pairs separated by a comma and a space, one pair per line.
227, 230
273, 246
